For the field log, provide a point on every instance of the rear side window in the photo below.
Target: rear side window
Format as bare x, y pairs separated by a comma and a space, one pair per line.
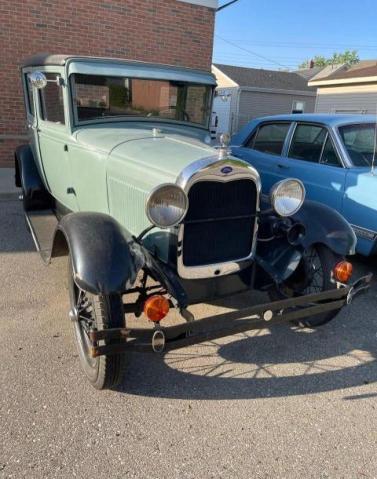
270, 138
329, 154
51, 99
307, 143
359, 141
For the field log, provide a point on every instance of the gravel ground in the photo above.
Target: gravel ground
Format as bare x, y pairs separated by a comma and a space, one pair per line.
274, 403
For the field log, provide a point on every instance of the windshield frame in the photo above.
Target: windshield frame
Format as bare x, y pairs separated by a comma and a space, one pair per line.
342, 144
139, 119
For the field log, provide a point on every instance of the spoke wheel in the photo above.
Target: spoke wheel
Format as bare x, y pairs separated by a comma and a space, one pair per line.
84, 321
316, 272
100, 312
313, 275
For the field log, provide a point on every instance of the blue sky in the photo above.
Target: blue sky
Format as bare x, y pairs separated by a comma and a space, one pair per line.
287, 32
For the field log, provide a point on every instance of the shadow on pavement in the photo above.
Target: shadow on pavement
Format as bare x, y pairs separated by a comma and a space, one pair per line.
280, 361
14, 236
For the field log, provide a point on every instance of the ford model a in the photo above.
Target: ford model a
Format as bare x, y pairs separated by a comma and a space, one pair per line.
120, 177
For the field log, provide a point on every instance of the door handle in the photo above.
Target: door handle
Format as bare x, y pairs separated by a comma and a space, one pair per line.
281, 165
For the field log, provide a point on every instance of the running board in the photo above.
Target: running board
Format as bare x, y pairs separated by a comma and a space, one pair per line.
42, 225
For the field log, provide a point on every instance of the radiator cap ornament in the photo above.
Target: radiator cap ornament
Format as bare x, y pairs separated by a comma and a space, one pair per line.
224, 150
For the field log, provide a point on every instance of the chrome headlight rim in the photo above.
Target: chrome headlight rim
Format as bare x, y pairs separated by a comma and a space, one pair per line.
151, 195
275, 190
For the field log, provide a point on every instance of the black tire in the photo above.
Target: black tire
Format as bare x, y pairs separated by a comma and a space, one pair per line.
105, 311
323, 260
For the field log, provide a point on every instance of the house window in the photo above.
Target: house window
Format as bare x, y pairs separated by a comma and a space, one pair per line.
298, 106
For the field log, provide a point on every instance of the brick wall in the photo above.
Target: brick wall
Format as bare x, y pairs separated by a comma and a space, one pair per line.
163, 31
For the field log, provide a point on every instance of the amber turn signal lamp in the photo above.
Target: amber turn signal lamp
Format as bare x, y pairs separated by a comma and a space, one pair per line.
343, 271
156, 308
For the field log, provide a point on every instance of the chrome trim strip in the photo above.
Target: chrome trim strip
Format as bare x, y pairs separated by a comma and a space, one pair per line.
364, 232
209, 169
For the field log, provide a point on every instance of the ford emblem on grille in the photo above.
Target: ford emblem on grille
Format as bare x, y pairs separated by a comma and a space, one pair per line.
226, 170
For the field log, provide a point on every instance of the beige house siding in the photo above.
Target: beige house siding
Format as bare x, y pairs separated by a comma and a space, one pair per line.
254, 104
224, 107
347, 99
223, 81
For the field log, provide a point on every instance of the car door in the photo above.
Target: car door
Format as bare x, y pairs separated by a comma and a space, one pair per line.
313, 158
263, 149
52, 135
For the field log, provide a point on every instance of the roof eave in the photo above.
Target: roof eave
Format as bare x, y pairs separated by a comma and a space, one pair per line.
343, 81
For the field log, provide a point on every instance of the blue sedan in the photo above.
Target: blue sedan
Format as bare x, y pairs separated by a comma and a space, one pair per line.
333, 155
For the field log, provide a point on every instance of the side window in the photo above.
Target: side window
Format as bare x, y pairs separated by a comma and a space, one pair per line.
250, 141
29, 96
270, 138
51, 100
329, 154
307, 143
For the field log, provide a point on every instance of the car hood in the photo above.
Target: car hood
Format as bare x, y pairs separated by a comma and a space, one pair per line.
138, 159
166, 152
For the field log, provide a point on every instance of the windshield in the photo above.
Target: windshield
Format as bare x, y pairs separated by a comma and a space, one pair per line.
98, 96
359, 141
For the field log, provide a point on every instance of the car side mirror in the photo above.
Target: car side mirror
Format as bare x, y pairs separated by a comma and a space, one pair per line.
38, 80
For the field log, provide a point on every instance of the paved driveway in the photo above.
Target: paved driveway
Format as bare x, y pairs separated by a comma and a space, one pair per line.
275, 403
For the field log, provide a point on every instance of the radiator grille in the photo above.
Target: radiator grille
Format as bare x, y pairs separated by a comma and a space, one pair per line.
220, 222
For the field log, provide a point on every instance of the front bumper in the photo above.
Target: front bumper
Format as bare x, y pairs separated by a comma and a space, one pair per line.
197, 331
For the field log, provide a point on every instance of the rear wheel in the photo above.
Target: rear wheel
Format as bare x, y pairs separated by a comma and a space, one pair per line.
313, 275
100, 312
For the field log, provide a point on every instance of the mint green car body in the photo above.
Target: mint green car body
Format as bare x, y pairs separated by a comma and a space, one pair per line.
111, 140
112, 166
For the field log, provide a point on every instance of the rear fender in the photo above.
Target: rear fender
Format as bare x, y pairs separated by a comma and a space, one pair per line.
35, 195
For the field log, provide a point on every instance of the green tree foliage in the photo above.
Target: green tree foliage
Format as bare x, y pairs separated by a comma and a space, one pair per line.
348, 56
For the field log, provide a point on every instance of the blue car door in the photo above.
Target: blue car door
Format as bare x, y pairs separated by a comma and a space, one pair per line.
263, 149
312, 158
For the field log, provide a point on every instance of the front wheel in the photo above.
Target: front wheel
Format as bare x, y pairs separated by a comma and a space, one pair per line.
100, 312
313, 275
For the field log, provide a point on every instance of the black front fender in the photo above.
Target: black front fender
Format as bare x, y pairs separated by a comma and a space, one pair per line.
103, 261
325, 225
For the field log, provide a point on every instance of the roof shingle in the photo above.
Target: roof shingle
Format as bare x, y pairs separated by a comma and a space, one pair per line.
273, 79
362, 69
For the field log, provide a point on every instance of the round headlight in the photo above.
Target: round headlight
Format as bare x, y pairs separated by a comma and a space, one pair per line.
167, 205
287, 197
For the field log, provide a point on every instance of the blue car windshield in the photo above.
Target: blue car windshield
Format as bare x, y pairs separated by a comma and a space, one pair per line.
359, 140
97, 97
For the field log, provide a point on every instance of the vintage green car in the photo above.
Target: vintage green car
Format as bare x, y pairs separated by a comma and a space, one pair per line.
119, 175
